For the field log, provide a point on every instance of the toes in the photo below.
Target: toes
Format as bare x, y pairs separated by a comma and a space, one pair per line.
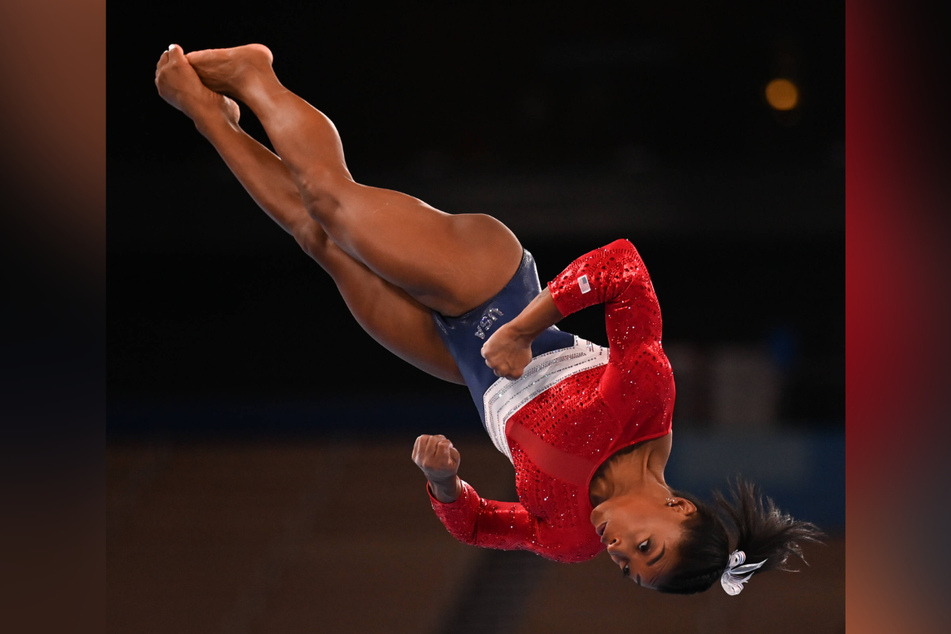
175, 52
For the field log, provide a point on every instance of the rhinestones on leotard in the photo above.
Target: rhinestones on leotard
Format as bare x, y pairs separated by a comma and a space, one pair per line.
570, 428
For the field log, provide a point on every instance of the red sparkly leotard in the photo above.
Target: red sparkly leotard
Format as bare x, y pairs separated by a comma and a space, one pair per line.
591, 405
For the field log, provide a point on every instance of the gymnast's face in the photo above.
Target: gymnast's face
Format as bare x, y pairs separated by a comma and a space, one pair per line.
642, 535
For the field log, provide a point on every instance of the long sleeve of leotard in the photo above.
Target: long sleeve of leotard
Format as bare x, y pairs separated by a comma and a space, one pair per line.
486, 523
615, 276
637, 383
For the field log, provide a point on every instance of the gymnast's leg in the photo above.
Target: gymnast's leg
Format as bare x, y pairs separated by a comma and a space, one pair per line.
386, 312
450, 263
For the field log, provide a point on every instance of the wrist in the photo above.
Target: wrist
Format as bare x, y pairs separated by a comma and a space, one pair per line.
519, 330
540, 314
446, 490
212, 124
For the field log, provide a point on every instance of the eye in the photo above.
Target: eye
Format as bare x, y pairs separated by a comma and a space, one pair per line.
627, 571
644, 546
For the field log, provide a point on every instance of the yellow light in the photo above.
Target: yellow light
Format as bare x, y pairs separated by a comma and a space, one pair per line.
782, 94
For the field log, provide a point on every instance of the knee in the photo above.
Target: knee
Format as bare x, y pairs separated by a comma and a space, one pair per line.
321, 191
313, 240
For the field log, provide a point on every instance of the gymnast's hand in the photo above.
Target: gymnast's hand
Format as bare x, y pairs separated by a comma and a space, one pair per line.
509, 349
439, 461
507, 352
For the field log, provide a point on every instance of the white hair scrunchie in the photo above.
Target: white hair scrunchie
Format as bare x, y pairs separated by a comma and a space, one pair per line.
737, 573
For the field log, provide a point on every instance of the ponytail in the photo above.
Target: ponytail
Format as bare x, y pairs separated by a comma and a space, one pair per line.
733, 538
763, 531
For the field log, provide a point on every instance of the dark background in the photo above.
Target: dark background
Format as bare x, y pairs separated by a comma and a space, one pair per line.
574, 124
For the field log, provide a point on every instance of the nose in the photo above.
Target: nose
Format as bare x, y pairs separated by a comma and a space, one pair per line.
608, 539
617, 557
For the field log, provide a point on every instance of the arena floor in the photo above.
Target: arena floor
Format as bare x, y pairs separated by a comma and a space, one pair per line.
338, 536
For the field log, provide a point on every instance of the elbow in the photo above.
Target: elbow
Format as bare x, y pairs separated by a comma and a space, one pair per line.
621, 244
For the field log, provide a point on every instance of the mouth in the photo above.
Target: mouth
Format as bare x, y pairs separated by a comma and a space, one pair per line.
600, 529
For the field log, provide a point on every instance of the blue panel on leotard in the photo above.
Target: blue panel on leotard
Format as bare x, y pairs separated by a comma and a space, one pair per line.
465, 335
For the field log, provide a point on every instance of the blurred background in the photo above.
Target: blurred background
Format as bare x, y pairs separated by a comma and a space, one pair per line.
248, 416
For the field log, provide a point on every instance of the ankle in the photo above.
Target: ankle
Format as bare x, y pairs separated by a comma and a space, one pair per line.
212, 122
257, 88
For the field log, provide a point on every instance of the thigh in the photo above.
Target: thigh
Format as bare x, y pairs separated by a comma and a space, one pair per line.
386, 312
400, 324
449, 263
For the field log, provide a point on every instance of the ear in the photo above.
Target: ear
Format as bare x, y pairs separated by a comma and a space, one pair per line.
684, 506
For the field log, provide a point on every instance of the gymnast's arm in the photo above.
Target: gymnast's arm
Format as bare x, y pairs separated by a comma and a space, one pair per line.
480, 522
439, 462
616, 277
613, 275
509, 349
477, 521
468, 517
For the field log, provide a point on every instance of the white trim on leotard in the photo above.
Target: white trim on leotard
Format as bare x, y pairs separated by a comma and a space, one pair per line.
505, 397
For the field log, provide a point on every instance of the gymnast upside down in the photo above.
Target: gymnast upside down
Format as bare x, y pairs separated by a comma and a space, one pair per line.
587, 428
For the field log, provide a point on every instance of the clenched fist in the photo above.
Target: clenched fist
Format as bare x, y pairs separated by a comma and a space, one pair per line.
507, 352
439, 461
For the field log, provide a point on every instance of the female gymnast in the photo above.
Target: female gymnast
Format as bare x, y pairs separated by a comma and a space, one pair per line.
587, 429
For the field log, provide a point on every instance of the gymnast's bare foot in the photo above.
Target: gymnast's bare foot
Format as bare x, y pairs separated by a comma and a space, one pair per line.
179, 85
233, 71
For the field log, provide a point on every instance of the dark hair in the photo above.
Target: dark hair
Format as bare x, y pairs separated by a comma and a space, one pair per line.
748, 521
